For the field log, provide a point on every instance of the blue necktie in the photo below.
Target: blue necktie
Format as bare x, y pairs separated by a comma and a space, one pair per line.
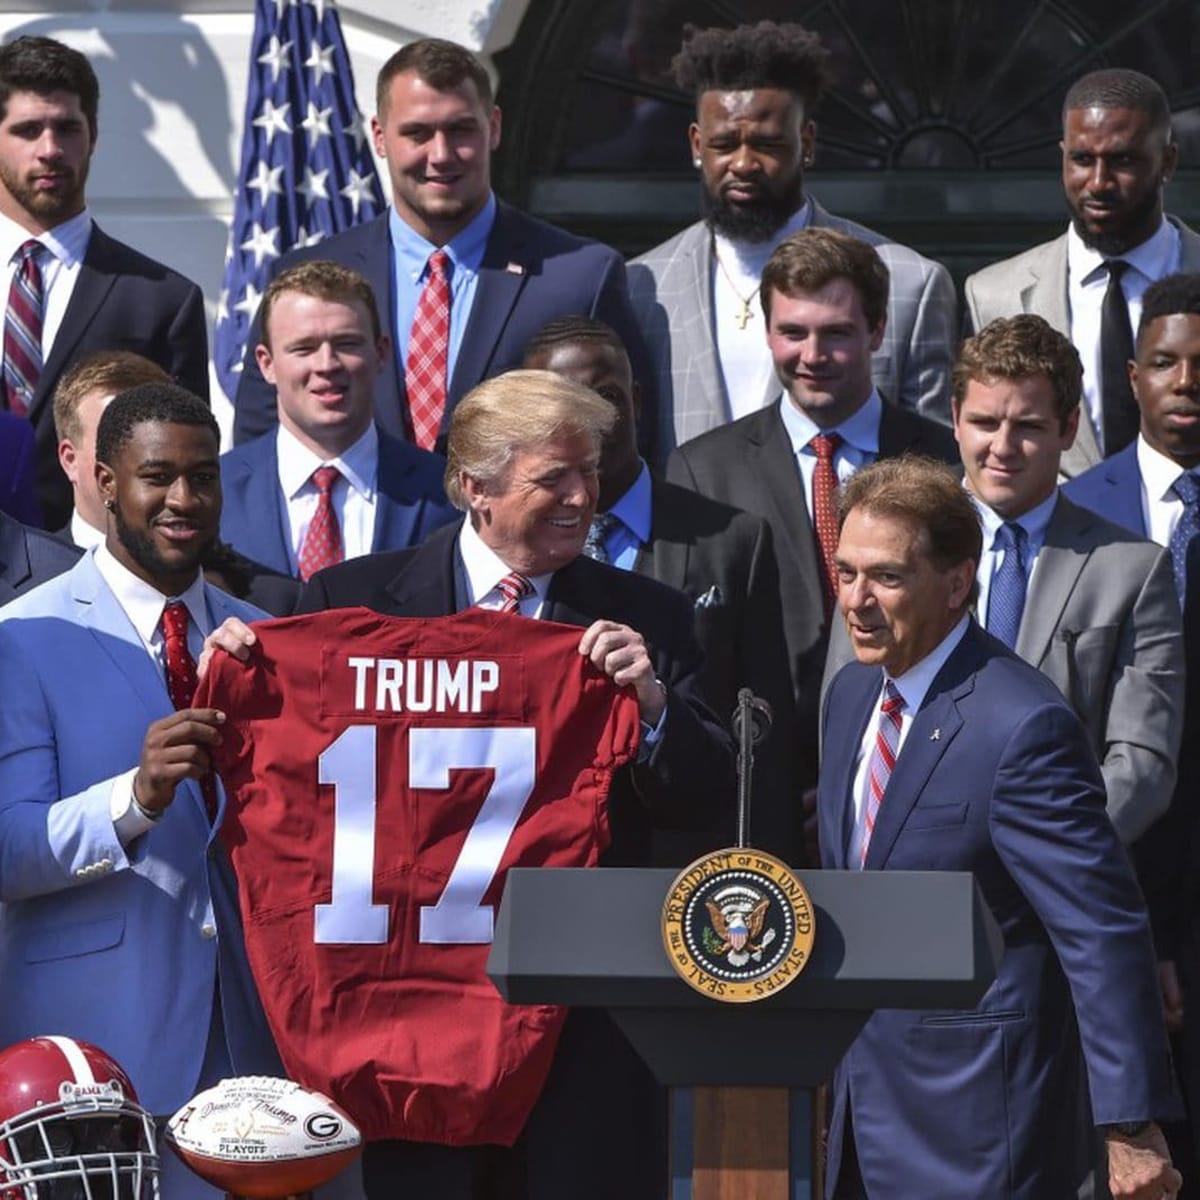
596, 545
1187, 488
1006, 596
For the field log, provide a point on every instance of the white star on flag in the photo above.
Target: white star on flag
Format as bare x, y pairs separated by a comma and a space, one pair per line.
266, 181
262, 243
250, 300
357, 190
276, 56
313, 187
317, 123
320, 62
273, 119
357, 129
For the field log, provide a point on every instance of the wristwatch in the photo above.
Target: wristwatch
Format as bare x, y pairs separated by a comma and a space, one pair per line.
1129, 1129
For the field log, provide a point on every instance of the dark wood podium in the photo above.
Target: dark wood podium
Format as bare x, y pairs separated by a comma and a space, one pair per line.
742, 1121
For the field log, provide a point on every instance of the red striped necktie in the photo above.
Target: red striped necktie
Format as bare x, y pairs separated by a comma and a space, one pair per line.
883, 757
23, 329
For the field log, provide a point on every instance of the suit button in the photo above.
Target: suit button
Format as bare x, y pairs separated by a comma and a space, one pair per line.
208, 930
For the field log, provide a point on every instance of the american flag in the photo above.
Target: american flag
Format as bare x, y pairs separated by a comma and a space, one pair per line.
307, 169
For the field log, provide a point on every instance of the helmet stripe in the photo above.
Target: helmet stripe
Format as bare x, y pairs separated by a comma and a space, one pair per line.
76, 1059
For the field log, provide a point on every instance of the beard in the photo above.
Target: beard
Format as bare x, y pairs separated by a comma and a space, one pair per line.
48, 207
756, 222
1114, 242
141, 548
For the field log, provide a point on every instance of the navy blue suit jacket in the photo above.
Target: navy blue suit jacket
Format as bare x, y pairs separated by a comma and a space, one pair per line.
18, 495
996, 777
122, 301
531, 273
29, 557
1112, 488
411, 500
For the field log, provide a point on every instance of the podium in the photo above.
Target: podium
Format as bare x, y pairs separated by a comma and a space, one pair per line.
741, 1121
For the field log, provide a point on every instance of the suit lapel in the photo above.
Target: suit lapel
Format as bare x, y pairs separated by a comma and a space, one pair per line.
706, 383
837, 766
1059, 563
94, 282
266, 531
1123, 482
1046, 292
506, 266
374, 259
1189, 246
665, 556
395, 520
424, 587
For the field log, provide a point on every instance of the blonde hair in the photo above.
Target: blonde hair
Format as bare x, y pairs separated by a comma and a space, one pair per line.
516, 411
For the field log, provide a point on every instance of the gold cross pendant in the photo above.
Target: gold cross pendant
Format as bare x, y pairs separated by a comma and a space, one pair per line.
745, 316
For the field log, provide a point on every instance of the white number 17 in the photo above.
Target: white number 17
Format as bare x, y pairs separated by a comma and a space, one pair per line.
459, 916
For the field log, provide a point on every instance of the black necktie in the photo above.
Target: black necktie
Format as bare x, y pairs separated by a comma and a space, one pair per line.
1116, 349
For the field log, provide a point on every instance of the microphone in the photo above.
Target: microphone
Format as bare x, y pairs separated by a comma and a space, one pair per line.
759, 713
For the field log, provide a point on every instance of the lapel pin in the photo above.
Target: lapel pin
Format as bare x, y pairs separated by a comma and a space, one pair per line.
515, 268
936, 736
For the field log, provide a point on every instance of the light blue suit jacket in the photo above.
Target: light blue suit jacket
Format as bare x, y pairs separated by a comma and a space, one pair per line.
120, 947
996, 777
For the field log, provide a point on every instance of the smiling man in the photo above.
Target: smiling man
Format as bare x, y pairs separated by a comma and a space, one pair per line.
756, 89
462, 280
524, 449
71, 289
328, 484
943, 751
119, 907
824, 302
1118, 154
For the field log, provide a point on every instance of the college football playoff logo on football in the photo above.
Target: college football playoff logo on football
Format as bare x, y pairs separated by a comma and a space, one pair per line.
738, 925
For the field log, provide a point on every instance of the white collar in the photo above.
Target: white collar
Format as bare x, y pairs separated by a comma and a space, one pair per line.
358, 464
1154, 258
485, 568
67, 242
83, 533
143, 604
1158, 471
914, 684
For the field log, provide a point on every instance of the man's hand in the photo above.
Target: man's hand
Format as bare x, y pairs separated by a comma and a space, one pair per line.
621, 654
233, 636
175, 748
1139, 1168
1172, 996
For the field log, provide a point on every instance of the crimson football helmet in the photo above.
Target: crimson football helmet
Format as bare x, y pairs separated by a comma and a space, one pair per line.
71, 1127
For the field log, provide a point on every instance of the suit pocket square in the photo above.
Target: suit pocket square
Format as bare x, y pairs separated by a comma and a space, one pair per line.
713, 598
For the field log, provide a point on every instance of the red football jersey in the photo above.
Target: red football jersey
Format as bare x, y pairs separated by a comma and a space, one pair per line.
382, 775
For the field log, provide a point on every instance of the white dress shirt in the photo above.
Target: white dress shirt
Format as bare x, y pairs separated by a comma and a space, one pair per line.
1087, 281
354, 496
484, 569
84, 535
746, 364
1161, 508
67, 244
913, 686
860, 441
144, 605
1034, 522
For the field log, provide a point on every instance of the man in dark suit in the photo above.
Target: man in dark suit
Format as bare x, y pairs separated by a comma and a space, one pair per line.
327, 474
508, 274
96, 292
29, 557
824, 295
720, 558
944, 751
1149, 489
523, 455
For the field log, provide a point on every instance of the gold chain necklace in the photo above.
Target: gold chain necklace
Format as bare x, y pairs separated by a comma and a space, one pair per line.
747, 314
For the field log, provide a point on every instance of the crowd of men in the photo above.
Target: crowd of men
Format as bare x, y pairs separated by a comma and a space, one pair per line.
760, 455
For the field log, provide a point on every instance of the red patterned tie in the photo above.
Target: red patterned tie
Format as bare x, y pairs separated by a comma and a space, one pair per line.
825, 446
181, 681
514, 587
428, 352
23, 330
322, 545
883, 758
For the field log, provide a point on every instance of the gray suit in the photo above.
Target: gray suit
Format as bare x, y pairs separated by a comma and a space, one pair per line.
1035, 281
1101, 620
670, 288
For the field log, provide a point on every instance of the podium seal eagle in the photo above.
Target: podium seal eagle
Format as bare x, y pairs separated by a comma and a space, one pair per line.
738, 925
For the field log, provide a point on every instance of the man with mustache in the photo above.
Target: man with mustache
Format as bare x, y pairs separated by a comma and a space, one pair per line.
118, 909
696, 296
71, 289
1118, 153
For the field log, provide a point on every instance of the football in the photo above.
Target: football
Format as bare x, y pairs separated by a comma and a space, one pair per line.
261, 1137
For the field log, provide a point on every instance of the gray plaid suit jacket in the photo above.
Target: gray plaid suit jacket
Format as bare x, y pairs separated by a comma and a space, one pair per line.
1035, 281
670, 288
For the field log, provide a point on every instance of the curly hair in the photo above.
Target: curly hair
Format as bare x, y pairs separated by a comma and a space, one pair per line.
766, 55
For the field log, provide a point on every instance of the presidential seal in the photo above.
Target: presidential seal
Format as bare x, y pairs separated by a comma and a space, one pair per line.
738, 925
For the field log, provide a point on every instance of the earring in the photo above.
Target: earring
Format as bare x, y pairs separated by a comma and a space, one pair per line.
109, 505
695, 162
